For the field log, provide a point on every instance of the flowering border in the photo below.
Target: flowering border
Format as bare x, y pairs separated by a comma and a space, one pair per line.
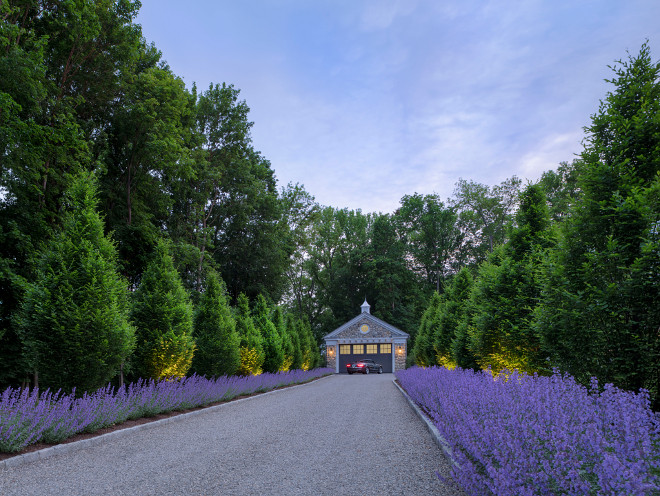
530, 435
30, 416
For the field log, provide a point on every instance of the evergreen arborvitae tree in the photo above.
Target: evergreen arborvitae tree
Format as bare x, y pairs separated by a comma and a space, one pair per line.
449, 316
215, 332
600, 314
273, 351
251, 342
460, 345
280, 322
298, 351
423, 352
314, 359
73, 321
308, 348
162, 314
507, 290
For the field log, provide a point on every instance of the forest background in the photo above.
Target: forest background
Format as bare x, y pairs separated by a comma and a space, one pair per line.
135, 211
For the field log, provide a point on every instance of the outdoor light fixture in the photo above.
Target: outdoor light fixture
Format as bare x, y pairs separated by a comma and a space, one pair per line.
399, 350
331, 351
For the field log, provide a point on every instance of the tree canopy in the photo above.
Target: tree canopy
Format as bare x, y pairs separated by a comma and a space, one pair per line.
117, 179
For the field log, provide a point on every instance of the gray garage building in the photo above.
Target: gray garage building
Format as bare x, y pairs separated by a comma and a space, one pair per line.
366, 336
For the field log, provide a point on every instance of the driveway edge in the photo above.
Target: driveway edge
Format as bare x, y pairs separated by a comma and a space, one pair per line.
435, 433
59, 449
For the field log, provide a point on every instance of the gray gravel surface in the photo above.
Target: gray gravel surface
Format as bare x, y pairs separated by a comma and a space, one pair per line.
339, 435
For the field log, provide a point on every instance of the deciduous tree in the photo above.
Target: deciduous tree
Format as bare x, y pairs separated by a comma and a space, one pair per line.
432, 236
484, 213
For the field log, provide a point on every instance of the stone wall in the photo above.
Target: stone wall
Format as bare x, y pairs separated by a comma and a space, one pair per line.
367, 329
375, 331
400, 358
331, 356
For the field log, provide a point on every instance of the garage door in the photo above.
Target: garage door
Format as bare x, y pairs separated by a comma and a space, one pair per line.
379, 353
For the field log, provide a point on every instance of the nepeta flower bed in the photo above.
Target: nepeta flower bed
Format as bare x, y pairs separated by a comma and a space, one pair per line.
28, 417
533, 435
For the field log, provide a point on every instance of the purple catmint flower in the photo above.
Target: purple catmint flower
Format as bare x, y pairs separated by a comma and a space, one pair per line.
540, 435
30, 416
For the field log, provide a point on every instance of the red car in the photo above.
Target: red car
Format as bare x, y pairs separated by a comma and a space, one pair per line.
364, 366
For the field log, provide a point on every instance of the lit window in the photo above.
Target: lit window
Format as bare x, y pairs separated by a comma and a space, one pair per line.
344, 349
386, 348
372, 349
358, 348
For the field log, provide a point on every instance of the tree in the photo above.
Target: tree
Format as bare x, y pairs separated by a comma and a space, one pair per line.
352, 256
300, 213
561, 189
73, 321
297, 356
280, 321
460, 345
241, 219
431, 234
600, 314
147, 156
162, 314
273, 350
336, 267
448, 318
507, 290
484, 213
252, 343
395, 292
220, 137
42, 147
215, 333
309, 350
423, 352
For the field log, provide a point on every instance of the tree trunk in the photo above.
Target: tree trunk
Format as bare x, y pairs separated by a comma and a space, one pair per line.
44, 184
128, 196
202, 249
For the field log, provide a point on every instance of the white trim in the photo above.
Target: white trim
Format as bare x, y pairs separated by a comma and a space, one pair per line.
360, 341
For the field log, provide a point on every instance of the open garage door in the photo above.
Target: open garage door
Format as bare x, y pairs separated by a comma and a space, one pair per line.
379, 353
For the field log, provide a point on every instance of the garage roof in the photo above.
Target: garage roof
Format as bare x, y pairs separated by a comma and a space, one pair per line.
366, 316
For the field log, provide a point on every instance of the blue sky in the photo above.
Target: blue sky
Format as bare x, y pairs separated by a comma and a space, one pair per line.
363, 102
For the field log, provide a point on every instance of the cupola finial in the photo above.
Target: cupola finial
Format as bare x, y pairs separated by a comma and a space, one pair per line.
365, 307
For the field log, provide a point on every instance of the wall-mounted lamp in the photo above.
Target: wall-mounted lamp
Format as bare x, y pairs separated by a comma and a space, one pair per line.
399, 350
331, 351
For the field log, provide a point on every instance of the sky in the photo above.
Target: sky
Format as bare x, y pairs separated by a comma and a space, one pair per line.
365, 101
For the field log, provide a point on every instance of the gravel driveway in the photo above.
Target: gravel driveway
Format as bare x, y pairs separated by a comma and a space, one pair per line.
338, 435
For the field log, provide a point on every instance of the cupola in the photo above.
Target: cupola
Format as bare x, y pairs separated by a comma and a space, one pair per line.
365, 307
